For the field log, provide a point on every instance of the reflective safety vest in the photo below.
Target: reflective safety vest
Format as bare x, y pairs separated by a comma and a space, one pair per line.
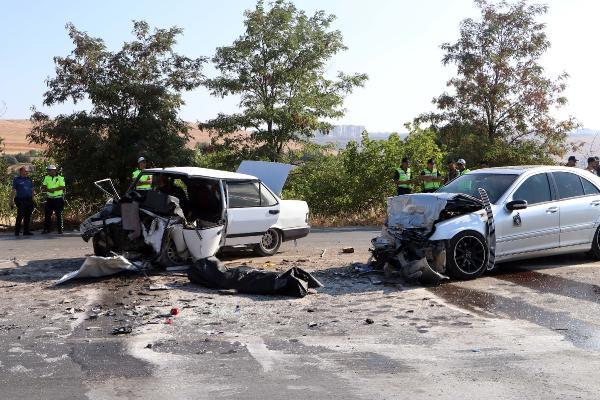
145, 180
464, 171
53, 182
403, 176
431, 184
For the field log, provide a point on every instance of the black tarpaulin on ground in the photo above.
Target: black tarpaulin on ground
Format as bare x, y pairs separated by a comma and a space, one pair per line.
212, 273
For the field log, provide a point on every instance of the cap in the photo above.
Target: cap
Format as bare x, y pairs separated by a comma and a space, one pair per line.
461, 161
141, 159
51, 166
572, 158
405, 159
591, 159
430, 161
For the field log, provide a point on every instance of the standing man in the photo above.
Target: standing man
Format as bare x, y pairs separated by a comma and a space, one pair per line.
402, 177
145, 182
592, 165
22, 197
54, 187
461, 164
431, 177
572, 161
452, 171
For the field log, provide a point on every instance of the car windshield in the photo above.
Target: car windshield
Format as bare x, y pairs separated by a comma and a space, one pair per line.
494, 184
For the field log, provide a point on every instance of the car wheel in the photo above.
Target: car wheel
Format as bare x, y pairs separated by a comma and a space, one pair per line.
467, 255
100, 244
169, 257
269, 243
595, 250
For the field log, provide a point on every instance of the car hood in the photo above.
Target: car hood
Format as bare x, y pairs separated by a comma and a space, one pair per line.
271, 174
425, 209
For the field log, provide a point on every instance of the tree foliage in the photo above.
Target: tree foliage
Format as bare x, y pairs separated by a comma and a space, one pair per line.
502, 103
277, 68
359, 177
135, 97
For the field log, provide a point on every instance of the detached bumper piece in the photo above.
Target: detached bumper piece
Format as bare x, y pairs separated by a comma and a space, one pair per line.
212, 273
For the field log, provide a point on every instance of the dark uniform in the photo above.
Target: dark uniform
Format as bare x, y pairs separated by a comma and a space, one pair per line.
23, 186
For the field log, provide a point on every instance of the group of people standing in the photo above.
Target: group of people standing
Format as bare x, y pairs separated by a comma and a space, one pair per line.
429, 179
593, 164
53, 187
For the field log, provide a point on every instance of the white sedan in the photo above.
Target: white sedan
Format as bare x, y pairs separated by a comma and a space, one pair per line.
193, 212
537, 211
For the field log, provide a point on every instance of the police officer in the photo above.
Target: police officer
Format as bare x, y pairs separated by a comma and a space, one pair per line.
54, 187
145, 182
22, 197
461, 165
402, 178
431, 177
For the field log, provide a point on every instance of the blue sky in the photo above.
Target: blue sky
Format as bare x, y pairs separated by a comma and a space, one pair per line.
395, 42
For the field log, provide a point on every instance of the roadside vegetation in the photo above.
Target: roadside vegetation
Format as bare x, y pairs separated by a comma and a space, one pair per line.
499, 107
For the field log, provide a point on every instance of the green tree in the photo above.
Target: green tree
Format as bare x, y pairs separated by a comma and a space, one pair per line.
135, 95
277, 68
501, 104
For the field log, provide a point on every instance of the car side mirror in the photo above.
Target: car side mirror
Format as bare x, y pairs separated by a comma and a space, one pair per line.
516, 205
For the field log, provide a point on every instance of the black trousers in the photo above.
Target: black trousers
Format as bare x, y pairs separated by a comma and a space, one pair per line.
402, 191
429, 190
56, 206
24, 211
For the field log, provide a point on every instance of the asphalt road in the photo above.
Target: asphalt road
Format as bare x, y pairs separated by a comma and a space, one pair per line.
530, 331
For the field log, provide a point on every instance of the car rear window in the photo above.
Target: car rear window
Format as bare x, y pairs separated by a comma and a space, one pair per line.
569, 185
589, 187
494, 184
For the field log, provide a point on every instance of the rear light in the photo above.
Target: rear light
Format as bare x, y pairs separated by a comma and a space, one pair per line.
306, 220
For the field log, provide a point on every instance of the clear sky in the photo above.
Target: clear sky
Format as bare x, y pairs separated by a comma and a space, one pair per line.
396, 42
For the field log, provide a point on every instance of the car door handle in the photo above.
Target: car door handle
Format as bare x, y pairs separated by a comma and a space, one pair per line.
595, 203
551, 210
274, 212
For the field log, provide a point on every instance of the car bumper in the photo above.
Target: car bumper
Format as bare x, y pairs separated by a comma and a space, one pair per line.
295, 233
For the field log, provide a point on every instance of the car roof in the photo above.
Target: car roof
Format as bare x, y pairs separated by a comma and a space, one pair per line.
521, 169
202, 173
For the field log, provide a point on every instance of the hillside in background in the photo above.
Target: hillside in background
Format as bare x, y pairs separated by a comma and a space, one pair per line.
14, 132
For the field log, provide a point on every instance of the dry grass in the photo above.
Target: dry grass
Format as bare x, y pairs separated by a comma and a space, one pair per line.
370, 217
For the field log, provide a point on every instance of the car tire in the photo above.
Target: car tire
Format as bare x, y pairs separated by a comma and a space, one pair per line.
269, 243
467, 255
595, 250
169, 257
100, 244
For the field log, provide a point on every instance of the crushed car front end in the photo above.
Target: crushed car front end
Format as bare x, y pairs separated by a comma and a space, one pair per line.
414, 240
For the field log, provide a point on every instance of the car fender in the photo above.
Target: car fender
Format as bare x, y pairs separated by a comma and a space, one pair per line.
447, 229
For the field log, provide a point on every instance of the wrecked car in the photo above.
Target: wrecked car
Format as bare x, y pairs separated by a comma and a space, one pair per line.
531, 211
191, 213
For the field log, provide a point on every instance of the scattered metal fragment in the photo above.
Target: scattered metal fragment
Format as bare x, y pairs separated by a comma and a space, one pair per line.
323, 253
348, 250
122, 330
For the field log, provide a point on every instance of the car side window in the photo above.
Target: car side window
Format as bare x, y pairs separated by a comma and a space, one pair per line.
569, 185
589, 187
535, 189
266, 198
249, 194
243, 194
